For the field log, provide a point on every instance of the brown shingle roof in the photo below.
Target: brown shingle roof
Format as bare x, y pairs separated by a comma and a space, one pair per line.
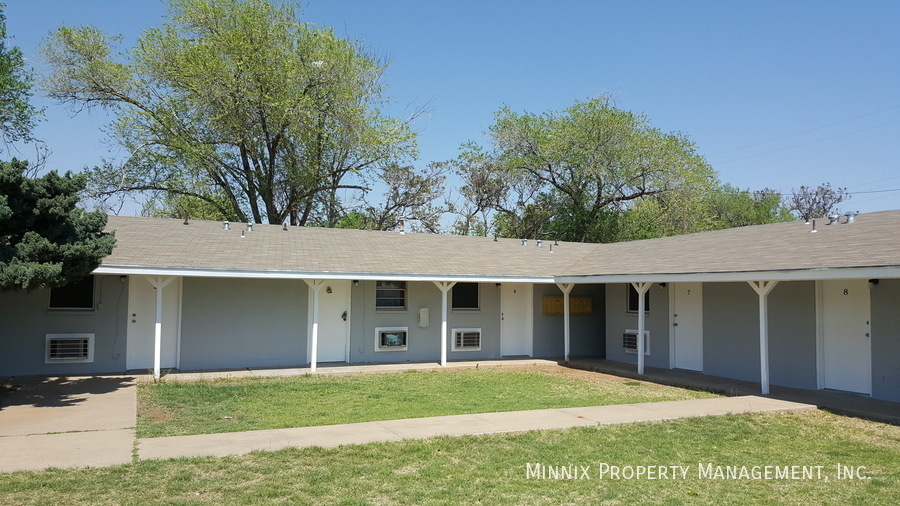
873, 241
205, 245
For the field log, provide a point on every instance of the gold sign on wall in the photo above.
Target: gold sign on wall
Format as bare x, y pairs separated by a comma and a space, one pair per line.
553, 306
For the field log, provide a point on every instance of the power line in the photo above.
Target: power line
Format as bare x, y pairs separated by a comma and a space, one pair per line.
808, 143
804, 131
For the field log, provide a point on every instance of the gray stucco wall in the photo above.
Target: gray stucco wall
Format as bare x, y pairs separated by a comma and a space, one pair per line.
26, 320
885, 297
731, 332
587, 333
233, 323
656, 321
423, 344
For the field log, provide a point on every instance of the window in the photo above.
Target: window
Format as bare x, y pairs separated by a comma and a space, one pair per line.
633, 300
466, 339
390, 295
77, 295
69, 348
465, 296
629, 341
390, 338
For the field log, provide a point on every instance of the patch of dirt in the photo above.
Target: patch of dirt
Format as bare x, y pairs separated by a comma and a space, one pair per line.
155, 413
567, 372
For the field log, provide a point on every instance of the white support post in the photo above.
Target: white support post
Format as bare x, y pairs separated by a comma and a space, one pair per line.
566, 290
763, 288
444, 287
316, 285
641, 289
159, 283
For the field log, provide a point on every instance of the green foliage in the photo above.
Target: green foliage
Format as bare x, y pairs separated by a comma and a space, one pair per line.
17, 116
45, 240
235, 103
681, 212
566, 175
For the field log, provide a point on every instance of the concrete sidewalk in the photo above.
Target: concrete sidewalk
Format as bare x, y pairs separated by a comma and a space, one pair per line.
237, 443
840, 402
67, 422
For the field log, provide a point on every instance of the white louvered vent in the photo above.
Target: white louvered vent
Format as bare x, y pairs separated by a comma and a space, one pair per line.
69, 348
629, 341
466, 339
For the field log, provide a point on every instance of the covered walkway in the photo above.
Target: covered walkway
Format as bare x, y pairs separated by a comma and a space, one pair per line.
838, 402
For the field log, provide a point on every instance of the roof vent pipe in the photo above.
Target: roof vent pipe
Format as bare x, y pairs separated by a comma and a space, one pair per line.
813, 231
402, 226
524, 242
226, 225
249, 227
540, 243
851, 217
551, 248
833, 219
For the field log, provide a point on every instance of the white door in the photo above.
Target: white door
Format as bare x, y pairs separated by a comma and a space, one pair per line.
334, 321
515, 319
141, 332
847, 348
687, 325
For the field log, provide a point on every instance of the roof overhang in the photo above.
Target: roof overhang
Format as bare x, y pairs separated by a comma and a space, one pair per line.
892, 271
123, 270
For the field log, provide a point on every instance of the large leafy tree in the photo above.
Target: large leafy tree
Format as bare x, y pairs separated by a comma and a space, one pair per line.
234, 107
567, 174
45, 239
17, 116
679, 212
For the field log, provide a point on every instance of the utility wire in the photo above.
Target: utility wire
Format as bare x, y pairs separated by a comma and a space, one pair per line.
807, 143
804, 131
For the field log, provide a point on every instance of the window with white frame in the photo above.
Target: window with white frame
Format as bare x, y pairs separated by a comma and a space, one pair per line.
633, 300
390, 295
69, 348
466, 340
74, 296
391, 338
630, 344
465, 297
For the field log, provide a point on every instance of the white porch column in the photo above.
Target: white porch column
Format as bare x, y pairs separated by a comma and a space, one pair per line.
763, 288
641, 289
566, 290
159, 284
444, 287
316, 285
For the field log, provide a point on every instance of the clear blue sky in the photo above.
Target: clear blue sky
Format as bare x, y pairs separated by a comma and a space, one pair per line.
775, 93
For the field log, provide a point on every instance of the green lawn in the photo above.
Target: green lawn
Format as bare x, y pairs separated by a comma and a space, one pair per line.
492, 469
229, 405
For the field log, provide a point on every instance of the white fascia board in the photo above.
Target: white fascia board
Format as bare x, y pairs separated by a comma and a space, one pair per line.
782, 275
393, 276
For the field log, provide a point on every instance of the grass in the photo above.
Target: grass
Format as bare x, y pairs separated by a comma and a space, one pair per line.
492, 469
230, 405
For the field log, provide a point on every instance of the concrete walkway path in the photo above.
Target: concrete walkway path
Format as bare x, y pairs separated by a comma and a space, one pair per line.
237, 443
67, 422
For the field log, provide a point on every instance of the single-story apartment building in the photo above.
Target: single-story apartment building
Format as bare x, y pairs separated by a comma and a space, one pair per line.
810, 306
